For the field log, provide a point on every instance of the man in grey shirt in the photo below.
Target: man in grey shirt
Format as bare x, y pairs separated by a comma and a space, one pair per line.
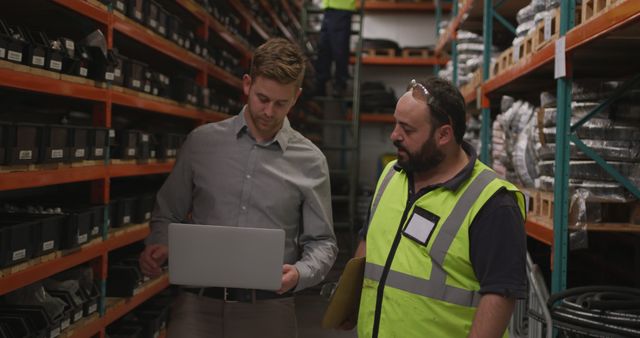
252, 169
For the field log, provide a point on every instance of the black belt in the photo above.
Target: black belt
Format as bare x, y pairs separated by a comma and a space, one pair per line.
237, 295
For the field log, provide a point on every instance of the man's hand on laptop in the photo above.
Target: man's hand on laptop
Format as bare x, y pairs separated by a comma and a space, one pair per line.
290, 278
152, 259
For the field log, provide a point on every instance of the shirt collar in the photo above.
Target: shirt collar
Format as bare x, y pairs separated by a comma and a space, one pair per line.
282, 137
461, 177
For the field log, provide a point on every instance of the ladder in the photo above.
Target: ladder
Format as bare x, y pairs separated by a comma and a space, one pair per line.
338, 121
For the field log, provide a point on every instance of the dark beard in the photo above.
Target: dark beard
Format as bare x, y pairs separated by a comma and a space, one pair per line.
426, 159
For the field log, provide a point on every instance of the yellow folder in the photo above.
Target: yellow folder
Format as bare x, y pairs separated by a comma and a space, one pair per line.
345, 300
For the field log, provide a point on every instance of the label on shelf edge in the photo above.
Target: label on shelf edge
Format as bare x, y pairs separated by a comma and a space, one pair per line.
54, 333
136, 83
117, 72
126, 219
131, 151
137, 14
79, 152
82, 238
153, 23
137, 291
162, 30
93, 308
57, 153
112, 132
25, 155
147, 215
57, 65
3, 53
109, 76
19, 254
37, 60
147, 88
14, 56
95, 230
77, 316
84, 71
145, 137
98, 151
547, 28
48, 245
120, 5
65, 323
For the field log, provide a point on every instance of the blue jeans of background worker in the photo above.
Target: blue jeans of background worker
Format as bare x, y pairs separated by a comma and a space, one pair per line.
333, 46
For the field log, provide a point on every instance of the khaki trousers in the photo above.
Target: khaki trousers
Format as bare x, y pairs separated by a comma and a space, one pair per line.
194, 316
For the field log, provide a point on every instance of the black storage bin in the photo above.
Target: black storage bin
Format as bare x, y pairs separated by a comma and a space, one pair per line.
98, 143
174, 30
97, 226
75, 230
124, 331
38, 320
17, 45
119, 69
134, 74
144, 206
23, 143
135, 10
91, 296
37, 51
76, 58
126, 144
4, 40
163, 20
14, 325
102, 65
122, 210
53, 52
79, 150
123, 280
92, 215
143, 146
151, 12
45, 230
184, 90
15, 242
55, 144
73, 307
4, 135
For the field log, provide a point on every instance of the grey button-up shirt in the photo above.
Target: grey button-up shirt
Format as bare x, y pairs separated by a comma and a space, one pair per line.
223, 177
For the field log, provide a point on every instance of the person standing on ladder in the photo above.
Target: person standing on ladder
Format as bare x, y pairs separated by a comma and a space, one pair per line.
333, 46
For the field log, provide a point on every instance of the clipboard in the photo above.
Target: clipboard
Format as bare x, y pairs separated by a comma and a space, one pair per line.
346, 298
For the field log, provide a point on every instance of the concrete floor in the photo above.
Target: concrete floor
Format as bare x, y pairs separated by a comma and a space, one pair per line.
310, 308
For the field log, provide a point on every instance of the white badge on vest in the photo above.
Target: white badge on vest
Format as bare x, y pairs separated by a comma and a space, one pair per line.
421, 225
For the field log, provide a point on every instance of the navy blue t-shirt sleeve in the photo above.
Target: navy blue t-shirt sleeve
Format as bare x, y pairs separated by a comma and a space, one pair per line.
498, 247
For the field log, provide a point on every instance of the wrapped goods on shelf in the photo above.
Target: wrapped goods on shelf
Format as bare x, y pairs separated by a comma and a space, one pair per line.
592, 171
609, 150
472, 134
599, 129
606, 191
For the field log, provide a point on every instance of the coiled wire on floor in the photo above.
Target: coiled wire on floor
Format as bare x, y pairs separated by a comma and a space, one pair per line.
596, 311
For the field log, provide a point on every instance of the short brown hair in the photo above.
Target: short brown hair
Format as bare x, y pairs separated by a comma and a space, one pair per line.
280, 60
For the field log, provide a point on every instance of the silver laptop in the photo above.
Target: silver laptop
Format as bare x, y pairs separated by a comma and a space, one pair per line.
209, 255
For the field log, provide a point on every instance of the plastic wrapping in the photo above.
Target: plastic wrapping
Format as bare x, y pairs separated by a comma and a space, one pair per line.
550, 4
538, 6
628, 151
35, 294
539, 17
523, 161
525, 14
523, 28
471, 48
578, 238
463, 36
474, 63
599, 129
592, 90
605, 191
506, 102
592, 171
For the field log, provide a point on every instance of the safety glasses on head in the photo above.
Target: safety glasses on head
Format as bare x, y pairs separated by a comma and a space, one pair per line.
420, 93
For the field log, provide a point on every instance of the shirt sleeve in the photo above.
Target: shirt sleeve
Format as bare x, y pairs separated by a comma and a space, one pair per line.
174, 199
317, 239
498, 247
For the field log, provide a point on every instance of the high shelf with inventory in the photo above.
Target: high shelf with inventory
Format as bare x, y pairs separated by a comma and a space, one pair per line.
599, 41
206, 60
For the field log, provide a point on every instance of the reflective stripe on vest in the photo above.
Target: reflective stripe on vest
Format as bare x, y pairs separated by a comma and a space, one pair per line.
383, 186
436, 287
